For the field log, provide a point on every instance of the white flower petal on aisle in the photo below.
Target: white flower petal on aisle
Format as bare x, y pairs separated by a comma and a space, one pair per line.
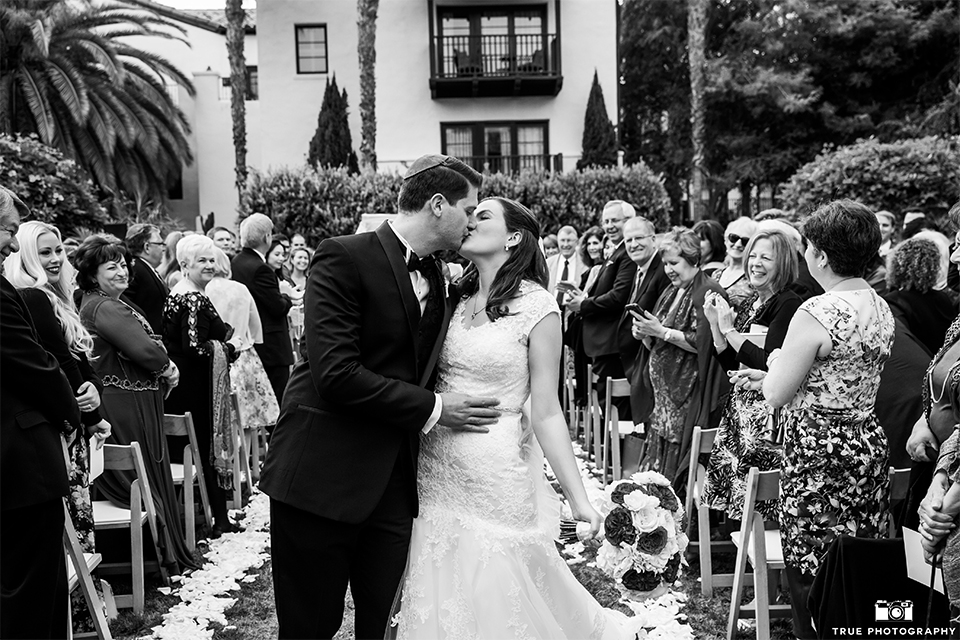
204, 592
663, 617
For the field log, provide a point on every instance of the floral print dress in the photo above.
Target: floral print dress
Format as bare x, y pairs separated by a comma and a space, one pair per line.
834, 475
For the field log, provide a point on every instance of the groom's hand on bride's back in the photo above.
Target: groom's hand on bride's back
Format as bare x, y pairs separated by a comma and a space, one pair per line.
468, 413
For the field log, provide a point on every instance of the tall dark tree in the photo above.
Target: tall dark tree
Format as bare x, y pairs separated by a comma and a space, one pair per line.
367, 55
238, 90
696, 55
332, 145
599, 137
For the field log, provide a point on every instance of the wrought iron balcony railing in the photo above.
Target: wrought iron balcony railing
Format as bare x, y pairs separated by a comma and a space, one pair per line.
501, 56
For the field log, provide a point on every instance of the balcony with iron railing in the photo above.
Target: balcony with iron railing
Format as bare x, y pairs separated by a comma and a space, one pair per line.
495, 65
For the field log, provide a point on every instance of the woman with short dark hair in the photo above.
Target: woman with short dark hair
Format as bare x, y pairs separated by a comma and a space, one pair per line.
913, 271
135, 371
834, 476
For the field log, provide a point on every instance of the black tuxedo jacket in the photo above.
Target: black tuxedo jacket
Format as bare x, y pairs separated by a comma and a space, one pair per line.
35, 401
356, 402
148, 292
250, 269
602, 310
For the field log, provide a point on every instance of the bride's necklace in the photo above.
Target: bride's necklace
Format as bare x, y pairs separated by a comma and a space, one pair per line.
476, 307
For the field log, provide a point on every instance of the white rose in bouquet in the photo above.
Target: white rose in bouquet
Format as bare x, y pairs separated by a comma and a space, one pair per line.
614, 561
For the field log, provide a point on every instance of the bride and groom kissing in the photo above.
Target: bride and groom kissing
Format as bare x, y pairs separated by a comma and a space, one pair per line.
404, 460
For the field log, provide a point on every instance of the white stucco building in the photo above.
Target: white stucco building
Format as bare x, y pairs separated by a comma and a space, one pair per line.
502, 84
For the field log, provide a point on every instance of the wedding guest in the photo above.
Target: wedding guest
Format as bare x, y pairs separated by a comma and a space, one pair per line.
913, 270
550, 245
169, 267
685, 377
589, 251
566, 265
834, 475
248, 379
746, 438
298, 241
732, 276
250, 269
804, 285
196, 339
640, 240
225, 240
33, 475
147, 289
887, 222
276, 255
136, 371
713, 250
299, 263
602, 308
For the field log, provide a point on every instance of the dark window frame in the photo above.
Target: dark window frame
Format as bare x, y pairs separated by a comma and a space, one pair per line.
478, 142
326, 49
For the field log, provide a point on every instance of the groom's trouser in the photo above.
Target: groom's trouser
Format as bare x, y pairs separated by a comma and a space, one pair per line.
314, 558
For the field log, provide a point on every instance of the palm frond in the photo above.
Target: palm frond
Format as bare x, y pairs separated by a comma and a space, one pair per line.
71, 88
41, 38
36, 100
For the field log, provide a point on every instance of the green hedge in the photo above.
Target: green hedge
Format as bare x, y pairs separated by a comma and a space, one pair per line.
908, 175
56, 189
329, 202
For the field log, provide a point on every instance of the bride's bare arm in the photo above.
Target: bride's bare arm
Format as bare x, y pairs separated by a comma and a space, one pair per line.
547, 418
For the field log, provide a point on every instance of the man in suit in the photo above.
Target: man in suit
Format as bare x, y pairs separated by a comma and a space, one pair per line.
147, 289
565, 266
225, 240
342, 466
603, 309
250, 269
36, 406
639, 239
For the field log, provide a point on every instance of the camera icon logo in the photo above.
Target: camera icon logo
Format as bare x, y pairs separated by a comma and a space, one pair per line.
895, 610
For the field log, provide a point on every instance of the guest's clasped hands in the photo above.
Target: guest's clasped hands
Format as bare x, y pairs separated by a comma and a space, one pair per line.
718, 311
938, 515
88, 399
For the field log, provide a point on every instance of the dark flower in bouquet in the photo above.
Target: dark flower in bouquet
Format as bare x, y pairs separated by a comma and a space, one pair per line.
652, 542
621, 490
618, 527
641, 580
672, 572
668, 499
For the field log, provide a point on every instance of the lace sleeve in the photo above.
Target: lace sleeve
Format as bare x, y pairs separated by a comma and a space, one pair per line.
536, 304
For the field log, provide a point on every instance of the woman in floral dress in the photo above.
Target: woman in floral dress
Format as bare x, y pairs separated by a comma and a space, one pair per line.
834, 475
745, 439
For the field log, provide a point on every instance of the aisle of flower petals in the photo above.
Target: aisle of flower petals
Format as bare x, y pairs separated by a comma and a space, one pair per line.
237, 557
232, 559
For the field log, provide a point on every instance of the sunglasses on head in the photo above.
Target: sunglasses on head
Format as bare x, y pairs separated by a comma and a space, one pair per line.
734, 239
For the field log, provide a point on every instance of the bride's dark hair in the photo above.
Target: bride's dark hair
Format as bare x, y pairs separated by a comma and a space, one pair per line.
526, 262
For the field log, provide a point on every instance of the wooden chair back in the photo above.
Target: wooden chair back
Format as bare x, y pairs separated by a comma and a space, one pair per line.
612, 432
182, 425
82, 564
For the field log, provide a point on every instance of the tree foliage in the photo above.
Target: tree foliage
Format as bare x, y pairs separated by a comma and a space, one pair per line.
785, 78
911, 175
331, 146
599, 137
67, 75
55, 188
329, 202
238, 90
367, 57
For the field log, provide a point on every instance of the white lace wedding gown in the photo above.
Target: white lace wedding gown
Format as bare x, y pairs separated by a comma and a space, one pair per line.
482, 560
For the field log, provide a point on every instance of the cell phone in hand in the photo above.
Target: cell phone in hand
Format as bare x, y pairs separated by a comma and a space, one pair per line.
635, 308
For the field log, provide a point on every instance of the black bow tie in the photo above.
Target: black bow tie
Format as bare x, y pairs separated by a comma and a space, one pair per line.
416, 263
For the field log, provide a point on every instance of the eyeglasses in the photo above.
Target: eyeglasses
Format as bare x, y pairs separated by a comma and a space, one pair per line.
734, 239
644, 238
430, 162
611, 221
156, 244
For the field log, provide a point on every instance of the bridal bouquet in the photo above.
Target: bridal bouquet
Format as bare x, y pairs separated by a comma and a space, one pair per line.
644, 542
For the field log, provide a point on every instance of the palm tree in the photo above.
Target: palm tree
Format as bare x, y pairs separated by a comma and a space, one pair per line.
367, 53
238, 90
696, 34
67, 75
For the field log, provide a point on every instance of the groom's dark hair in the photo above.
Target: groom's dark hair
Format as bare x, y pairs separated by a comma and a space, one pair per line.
433, 174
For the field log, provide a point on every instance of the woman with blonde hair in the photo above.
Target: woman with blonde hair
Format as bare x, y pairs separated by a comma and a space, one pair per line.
45, 279
732, 277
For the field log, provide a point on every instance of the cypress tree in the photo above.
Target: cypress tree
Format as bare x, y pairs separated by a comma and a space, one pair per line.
332, 145
599, 148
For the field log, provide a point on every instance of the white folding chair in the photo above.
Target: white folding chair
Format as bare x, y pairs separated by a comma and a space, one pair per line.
192, 467
107, 515
79, 567
614, 428
764, 551
701, 443
241, 459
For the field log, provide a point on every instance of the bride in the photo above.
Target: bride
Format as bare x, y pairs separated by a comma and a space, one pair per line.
482, 561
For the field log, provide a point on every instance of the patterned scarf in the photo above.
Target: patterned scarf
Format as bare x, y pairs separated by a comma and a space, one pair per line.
221, 453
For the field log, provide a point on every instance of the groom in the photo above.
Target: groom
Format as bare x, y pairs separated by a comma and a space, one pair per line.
341, 470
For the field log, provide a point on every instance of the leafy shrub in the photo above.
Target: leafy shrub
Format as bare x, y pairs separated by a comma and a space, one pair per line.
908, 175
329, 202
56, 189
